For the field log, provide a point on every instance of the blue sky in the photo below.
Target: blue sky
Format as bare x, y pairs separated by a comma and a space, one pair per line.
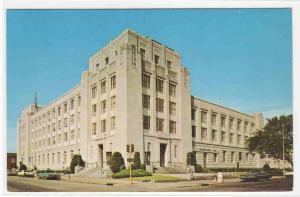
239, 58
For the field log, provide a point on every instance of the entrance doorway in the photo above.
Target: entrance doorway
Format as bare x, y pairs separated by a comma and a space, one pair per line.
163, 148
100, 155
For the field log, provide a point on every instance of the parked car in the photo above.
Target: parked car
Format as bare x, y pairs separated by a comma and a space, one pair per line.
256, 175
24, 173
48, 176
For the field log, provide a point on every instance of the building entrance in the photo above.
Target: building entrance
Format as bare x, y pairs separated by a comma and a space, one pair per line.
100, 155
163, 148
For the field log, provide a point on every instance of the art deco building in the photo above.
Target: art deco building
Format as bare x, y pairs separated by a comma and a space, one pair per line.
135, 91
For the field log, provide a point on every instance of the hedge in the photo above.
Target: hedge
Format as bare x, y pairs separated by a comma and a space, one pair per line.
134, 173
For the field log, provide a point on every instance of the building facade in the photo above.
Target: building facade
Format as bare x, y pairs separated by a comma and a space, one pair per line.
11, 161
135, 91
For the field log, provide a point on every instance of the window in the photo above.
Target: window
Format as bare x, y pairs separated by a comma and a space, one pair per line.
223, 121
65, 157
59, 139
97, 66
146, 122
172, 108
214, 135
113, 102
246, 138
53, 113
65, 136
72, 154
159, 105
245, 126
204, 133
94, 92
175, 151
223, 136
239, 125
65, 107
193, 113
215, 157
72, 135
58, 157
172, 125
172, 90
94, 128
169, 64
214, 119
159, 124
156, 59
79, 100
224, 156
232, 157
231, 137
59, 124
94, 110
108, 158
193, 131
53, 127
103, 126
147, 157
49, 141
106, 60
113, 82
240, 156
113, 123
65, 122
203, 116
72, 119
159, 85
103, 106
146, 81
143, 53
146, 101
239, 139
103, 87
231, 123
116, 53
72, 104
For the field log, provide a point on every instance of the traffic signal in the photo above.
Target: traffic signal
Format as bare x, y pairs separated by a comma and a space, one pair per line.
130, 148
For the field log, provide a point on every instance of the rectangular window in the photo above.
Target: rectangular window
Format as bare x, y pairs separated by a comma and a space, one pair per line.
146, 101
214, 135
106, 60
59, 124
231, 123
53, 140
159, 85
203, 116
53, 127
172, 127
204, 133
58, 157
59, 139
239, 139
240, 156
223, 121
193, 113
214, 119
193, 131
113, 102
169, 64
143, 53
65, 109
94, 92
146, 122
215, 157
103, 87
156, 59
159, 124
232, 157
108, 158
172, 108
239, 125
103, 126
224, 156
175, 151
172, 90
65, 136
146, 81
113, 82
58, 111
159, 105
94, 110
113, 123
223, 136
72, 104
72, 135
231, 138
79, 100
94, 128
245, 127
65, 122
103, 106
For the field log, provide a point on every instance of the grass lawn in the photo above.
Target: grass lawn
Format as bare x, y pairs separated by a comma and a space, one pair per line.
159, 178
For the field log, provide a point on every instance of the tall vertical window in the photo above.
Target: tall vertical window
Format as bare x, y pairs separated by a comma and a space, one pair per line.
231, 123
239, 139
113, 102
172, 127
94, 92
159, 124
231, 137
113, 123
239, 125
215, 157
172, 108
65, 136
72, 104
59, 139
159, 85
94, 110
203, 116
103, 87
146, 101
193, 131
146, 81
94, 128
193, 113
103, 106
204, 133
172, 90
143, 53
159, 105
245, 126
65, 108
214, 119
58, 157
214, 135
156, 59
146, 122
113, 82
169, 64
223, 136
175, 151
65, 122
79, 100
240, 156
223, 121
232, 157
72, 135
224, 156
58, 111
103, 126
106, 60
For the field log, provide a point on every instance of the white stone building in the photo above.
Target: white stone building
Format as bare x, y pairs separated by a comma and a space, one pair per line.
135, 91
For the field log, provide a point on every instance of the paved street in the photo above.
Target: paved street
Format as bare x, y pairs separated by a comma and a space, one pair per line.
18, 184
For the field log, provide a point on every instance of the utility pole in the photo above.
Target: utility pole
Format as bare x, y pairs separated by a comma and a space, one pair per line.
282, 149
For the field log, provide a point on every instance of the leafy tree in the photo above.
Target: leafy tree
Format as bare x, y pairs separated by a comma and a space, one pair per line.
268, 141
266, 167
116, 162
191, 159
23, 167
76, 161
136, 161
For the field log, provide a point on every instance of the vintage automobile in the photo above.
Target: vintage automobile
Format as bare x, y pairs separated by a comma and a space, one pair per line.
256, 175
24, 173
48, 176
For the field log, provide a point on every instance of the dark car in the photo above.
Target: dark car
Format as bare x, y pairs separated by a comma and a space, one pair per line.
48, 176
256, 175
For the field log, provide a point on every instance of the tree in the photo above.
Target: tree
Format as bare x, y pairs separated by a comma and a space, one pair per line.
268, 141
191, 159
76, 161
136, 161
116, 162
23, 167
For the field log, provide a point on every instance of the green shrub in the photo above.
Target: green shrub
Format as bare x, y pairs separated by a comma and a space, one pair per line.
134, 173
191, 159
116, 162
76, 160
143, 166
122, 167
23, 167
266, 167
198, 168
136, 161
